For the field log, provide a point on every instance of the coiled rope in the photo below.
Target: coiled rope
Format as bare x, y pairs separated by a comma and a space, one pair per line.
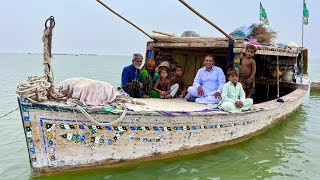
33, 89
36, 88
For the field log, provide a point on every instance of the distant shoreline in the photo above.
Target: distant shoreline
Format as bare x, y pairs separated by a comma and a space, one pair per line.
84, 54
69, 54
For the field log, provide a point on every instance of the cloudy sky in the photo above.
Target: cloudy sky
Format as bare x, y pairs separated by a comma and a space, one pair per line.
85, 26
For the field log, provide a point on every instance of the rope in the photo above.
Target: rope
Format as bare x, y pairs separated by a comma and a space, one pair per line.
47, 56
34, 88
9, 112
84, 112
37, 88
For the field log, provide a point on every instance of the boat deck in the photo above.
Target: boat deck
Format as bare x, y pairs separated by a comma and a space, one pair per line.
179, 106
174, 104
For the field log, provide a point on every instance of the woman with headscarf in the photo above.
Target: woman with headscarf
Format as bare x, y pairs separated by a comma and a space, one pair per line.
150, 76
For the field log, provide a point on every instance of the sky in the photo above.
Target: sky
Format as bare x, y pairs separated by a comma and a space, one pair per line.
85, 26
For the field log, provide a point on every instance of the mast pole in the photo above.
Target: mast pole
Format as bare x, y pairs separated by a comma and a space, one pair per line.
207, 20
124, 19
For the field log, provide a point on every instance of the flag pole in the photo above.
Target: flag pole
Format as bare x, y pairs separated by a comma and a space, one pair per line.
278, 78
302, 32
260, 12
303, 2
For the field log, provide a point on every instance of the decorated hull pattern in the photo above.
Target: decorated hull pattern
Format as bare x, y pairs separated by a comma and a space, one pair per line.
62, 139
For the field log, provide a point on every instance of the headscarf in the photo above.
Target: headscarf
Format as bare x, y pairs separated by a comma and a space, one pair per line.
151, 62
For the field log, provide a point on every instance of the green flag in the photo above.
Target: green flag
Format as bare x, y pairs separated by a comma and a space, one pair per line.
305, 13
263, 15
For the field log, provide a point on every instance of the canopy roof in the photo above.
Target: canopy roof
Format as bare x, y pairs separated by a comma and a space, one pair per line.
209, 42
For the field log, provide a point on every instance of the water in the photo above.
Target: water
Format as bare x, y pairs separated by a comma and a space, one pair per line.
290, 150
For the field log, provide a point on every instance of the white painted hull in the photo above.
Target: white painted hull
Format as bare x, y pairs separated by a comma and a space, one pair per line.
60, 140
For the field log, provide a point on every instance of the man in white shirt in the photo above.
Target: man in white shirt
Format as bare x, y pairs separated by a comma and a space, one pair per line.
207, 84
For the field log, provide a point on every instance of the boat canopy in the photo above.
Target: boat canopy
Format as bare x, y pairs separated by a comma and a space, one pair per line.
216, 43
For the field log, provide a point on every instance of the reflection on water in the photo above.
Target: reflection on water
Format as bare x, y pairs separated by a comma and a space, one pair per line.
290, 150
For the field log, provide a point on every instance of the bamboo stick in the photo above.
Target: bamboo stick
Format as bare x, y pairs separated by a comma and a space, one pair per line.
124, 19
163, 33
278, 79
191, 39
204, 18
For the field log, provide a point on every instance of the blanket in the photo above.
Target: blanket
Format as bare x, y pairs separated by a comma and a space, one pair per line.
88, 91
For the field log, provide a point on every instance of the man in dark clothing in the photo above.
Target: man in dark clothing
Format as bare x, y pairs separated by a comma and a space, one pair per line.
130, 79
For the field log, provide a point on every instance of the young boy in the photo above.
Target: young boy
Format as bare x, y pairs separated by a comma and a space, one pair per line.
233, 97
177, 79
248, 70
163, 84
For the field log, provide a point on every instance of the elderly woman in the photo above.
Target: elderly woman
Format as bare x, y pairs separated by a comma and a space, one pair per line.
149, 76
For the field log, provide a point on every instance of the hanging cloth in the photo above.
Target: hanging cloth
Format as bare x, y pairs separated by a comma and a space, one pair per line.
230, 54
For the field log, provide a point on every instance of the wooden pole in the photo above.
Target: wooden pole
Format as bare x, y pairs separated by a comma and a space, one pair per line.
302, 32
260, 12
204, 18
163, 33
124, 19
278, 88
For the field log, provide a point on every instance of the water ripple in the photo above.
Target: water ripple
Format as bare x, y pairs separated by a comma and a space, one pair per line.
290, 150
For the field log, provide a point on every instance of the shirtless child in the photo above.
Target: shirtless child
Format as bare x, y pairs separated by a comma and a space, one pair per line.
163, 84
248, 70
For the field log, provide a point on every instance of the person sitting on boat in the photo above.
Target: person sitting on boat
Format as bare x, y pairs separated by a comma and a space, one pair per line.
248, 70
173, 66
130, 79
177, 79
207, 84
149, 76
163, 84
233, 96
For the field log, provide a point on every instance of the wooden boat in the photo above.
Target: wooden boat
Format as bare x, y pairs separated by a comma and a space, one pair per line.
61, 136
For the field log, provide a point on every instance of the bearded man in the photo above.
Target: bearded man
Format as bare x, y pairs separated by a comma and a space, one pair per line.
130, 79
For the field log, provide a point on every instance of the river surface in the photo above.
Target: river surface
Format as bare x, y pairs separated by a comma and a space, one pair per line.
289, 150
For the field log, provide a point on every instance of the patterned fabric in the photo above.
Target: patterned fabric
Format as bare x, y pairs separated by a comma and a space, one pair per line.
129, 73
134, 89
145, 77
148, 84
144, 73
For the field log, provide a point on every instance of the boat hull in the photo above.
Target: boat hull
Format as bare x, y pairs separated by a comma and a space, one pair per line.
60, 139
